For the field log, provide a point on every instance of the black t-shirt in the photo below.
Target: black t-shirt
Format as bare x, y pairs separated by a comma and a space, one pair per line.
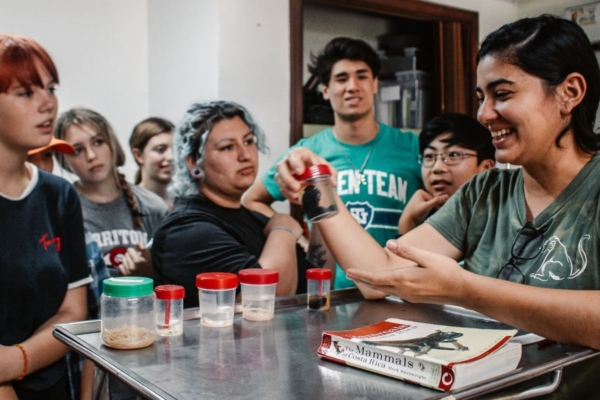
199, 236
42, 254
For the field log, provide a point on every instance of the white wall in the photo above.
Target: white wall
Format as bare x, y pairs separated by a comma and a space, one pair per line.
234, 50
100, 49
492, 13
533, 8
254, 66
183, 55
135, 58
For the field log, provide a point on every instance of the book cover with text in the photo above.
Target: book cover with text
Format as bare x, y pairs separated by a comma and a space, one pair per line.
437, 356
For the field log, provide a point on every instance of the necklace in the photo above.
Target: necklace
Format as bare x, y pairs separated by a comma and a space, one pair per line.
359, 176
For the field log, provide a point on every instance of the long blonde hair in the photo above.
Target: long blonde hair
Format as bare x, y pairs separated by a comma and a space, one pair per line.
82, 116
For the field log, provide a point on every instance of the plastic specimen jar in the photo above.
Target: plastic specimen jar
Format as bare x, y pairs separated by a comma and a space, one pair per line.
318, 195
127, 312
258, 293
216, 291
169, 309
318, 282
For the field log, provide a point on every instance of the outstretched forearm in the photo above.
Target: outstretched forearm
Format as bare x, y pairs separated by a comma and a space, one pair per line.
565, 316
353, 247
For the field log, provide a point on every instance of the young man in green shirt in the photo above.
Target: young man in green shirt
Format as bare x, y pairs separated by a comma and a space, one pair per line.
378, 169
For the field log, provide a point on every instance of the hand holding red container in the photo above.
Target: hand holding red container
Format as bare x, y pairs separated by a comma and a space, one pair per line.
317, 193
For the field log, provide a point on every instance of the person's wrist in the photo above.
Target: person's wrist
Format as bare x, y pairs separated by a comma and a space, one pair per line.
21, 353
467, 288
406, 226
286, 229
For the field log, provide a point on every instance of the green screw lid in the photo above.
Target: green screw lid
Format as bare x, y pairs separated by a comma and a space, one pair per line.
128, 286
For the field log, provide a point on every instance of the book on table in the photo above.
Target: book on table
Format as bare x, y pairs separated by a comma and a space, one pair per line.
437, 356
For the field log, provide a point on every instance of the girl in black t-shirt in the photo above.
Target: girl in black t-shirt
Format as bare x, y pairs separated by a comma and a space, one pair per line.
43, 268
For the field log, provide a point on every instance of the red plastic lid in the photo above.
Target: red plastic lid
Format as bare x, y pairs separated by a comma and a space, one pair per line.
318, 274
216, 281
313, 172
258, 276
169, 292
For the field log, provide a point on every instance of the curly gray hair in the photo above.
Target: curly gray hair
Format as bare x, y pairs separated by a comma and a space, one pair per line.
190, 140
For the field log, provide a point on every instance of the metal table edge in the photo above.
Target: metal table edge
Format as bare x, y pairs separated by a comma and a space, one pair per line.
519, 375
67, 333
141, 385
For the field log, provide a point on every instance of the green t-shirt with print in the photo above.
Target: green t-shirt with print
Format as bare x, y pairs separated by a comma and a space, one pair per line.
485, 215
392, 174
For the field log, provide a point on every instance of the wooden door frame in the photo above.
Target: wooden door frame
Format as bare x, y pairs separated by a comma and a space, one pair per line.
413, 9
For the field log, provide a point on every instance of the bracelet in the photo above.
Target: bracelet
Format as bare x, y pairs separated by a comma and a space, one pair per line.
283, 228
25, 361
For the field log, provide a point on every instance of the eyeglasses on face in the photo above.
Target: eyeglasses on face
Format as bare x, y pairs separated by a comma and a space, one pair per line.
448, 157
528, 244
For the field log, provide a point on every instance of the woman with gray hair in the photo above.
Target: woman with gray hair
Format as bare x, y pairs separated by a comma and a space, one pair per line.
208, 230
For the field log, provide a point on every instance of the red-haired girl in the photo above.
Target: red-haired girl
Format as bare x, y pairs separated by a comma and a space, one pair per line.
43, 264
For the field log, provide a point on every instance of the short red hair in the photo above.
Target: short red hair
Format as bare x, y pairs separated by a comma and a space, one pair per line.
18, 57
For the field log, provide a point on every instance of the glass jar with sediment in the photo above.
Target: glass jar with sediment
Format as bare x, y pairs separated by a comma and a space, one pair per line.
258, 293
169, 309
127, 312
318, 288
317, 193
216, 291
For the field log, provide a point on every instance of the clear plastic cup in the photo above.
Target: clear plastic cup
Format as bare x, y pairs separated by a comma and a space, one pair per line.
258, 293
318, 288
169, 309
216, 291
127, 312
318, 195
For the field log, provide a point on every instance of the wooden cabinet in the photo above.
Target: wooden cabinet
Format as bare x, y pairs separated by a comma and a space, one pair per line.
452, 32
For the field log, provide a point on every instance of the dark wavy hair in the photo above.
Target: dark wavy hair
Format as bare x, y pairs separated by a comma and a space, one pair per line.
343, 48
465, 131
551, 48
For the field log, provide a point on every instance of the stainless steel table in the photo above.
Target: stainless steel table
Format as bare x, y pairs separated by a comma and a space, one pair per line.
277, 359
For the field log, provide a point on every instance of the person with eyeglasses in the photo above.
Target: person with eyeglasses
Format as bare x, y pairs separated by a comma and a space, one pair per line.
529, 237
454, 148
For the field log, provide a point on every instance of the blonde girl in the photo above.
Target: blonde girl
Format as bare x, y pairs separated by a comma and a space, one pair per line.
121, 217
